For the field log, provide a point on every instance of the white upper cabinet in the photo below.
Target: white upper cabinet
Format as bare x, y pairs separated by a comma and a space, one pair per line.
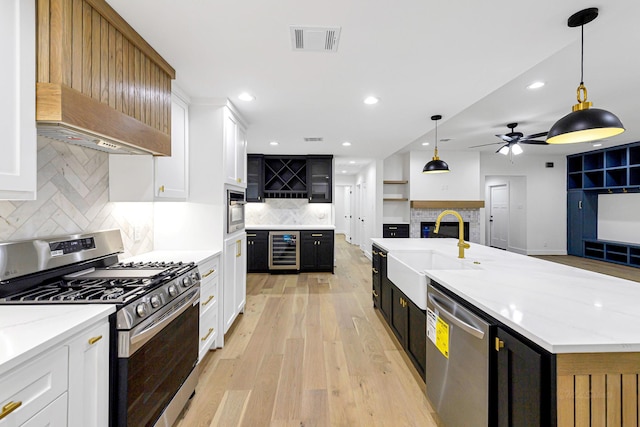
17, 103
172, 173
141, 178
235, 150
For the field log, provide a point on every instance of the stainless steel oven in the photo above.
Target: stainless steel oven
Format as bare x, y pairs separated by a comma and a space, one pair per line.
153, 333
235, 211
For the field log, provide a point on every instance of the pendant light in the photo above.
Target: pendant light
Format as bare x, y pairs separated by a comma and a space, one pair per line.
436, 165
584, 123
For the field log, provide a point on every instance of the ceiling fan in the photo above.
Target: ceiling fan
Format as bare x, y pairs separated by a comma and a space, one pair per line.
510, 141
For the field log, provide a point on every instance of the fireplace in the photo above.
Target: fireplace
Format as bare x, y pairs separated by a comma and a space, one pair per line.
447, 229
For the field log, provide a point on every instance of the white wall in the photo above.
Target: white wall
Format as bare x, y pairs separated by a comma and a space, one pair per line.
546, 198
371, 208
619, 217
462, 183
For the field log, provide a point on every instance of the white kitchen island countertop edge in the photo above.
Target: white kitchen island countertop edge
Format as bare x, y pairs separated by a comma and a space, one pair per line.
563, 309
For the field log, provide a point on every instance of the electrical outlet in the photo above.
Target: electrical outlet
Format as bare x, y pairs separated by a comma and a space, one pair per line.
137, 233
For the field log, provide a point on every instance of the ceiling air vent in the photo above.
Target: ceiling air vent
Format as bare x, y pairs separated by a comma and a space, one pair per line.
315, 39
313, 139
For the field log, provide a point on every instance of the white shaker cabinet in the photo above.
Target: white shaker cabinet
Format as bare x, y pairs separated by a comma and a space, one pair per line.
18, 144
209, 305
146, 178
235, 150
89, 390
235, 278
64, 385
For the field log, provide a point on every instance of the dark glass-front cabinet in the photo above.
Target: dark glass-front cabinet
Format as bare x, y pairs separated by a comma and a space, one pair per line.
319, 180
257, 251
255, 178
316, 250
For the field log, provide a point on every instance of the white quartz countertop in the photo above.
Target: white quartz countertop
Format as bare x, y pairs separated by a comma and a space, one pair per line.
175, 256
293, 227
27, 330
563, 309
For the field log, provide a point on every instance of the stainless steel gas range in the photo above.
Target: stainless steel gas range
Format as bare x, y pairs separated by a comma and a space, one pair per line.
154, 331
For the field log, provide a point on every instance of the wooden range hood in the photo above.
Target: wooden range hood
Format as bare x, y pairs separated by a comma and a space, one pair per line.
99, 83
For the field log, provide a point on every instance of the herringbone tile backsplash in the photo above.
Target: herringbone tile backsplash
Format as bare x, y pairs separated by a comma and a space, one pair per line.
73, 196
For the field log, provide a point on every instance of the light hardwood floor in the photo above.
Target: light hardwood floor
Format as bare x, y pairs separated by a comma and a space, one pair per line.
310, 350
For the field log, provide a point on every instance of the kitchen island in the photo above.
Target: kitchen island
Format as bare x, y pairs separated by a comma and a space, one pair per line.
587, 322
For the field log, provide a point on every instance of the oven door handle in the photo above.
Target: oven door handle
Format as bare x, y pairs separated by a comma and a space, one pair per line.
137, 338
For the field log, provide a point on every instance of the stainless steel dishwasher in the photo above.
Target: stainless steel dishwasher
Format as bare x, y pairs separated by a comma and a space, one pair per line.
457, 366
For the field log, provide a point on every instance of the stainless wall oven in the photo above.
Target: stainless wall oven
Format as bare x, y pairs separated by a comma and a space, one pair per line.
154, 331
235, 211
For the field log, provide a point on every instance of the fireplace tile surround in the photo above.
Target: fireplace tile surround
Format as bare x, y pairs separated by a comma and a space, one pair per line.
472, 216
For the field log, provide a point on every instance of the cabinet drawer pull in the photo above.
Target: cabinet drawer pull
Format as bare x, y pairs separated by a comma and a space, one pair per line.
383, 255
375, 294
238, 248
94, 340
499, 344
316, 234
375, 271
251, 235
393, 228
207, 336
208, 273
374, 252
9, 408
208, 300
161, 189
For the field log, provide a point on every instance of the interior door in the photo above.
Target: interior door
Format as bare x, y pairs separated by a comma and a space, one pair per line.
347, 213
499, 216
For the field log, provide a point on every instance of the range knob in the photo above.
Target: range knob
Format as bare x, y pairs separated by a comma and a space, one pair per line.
194, 277
155, 301
173, 291
141, 309
186, 281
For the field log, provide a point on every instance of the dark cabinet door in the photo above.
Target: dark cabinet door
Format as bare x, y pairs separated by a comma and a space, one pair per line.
417, 336
399, 315
316, 250
519, 383
319, 179
375, 276
257, 251
574, 224
255, 178
385, 287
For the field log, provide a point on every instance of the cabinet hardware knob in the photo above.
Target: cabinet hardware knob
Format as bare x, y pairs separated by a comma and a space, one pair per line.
207, 336
239, 180
9, 408
375, 294
208, 300
374, 271
208, 273
499, 344
161, 189
94, 340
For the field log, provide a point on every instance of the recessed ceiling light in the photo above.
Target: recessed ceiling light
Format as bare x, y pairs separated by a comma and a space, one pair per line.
425, 143
346, 144
597, 145
245, 96
344, 171
353, 162
535, 85
273, 143
370, 100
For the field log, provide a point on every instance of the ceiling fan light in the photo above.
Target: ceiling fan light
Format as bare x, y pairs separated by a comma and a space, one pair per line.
585, 125
504, 150
516, 149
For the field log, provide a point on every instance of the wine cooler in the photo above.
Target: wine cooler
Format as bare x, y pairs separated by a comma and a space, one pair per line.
284, 250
